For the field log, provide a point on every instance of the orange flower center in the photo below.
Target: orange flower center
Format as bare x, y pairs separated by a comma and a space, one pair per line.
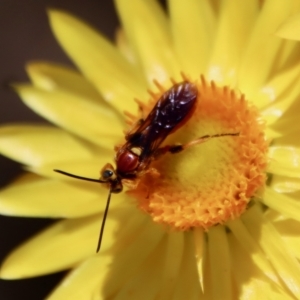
212, 182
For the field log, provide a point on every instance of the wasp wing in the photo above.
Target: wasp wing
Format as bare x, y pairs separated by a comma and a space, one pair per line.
169, 113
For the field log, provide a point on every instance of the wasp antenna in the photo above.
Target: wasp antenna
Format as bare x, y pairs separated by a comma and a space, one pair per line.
77, 177
103, 221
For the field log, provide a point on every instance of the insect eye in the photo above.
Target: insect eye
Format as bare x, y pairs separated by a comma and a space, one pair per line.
106, 174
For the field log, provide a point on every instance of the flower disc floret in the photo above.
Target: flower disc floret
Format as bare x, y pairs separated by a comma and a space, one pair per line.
211, 182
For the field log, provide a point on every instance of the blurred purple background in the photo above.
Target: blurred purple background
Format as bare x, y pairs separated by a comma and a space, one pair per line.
25, 35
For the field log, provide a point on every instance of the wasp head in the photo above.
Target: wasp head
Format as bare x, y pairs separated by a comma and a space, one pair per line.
108, 175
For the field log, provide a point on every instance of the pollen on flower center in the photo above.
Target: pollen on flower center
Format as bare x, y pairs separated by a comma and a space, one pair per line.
211, 182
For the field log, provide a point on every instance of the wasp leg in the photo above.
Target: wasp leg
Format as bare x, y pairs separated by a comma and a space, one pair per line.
180, 147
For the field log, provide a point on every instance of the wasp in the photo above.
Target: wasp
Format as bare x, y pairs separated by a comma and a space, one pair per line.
143, 143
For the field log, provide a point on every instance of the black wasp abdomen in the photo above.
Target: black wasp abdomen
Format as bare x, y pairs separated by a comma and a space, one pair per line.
169, 113
176, 104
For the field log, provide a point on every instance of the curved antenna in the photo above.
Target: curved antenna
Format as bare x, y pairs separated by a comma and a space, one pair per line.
107, 201
78, 177
103, 221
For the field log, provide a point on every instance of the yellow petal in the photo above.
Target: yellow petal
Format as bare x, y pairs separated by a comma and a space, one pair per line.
59, 247
250, 281
276, 110
278, 168
277, 252
86, 168
250, 245
272, 134
139, 242
186, 275
260, 289
193, 25
284, 156
288, 156
220, 263
125, 48
188, 286
284, 204
200, 247
263, 45
288, 56
234, 24
290, 28
278, 94
147, 29
173, 258
289, 230
80, 116
101, 63
283, 184
288, 124
149, 280
51, 198
287, 166
289, 140
36, 145
91, 272
52, 76
207, 278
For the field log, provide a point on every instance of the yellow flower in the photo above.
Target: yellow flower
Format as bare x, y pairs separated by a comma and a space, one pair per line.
219, 220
